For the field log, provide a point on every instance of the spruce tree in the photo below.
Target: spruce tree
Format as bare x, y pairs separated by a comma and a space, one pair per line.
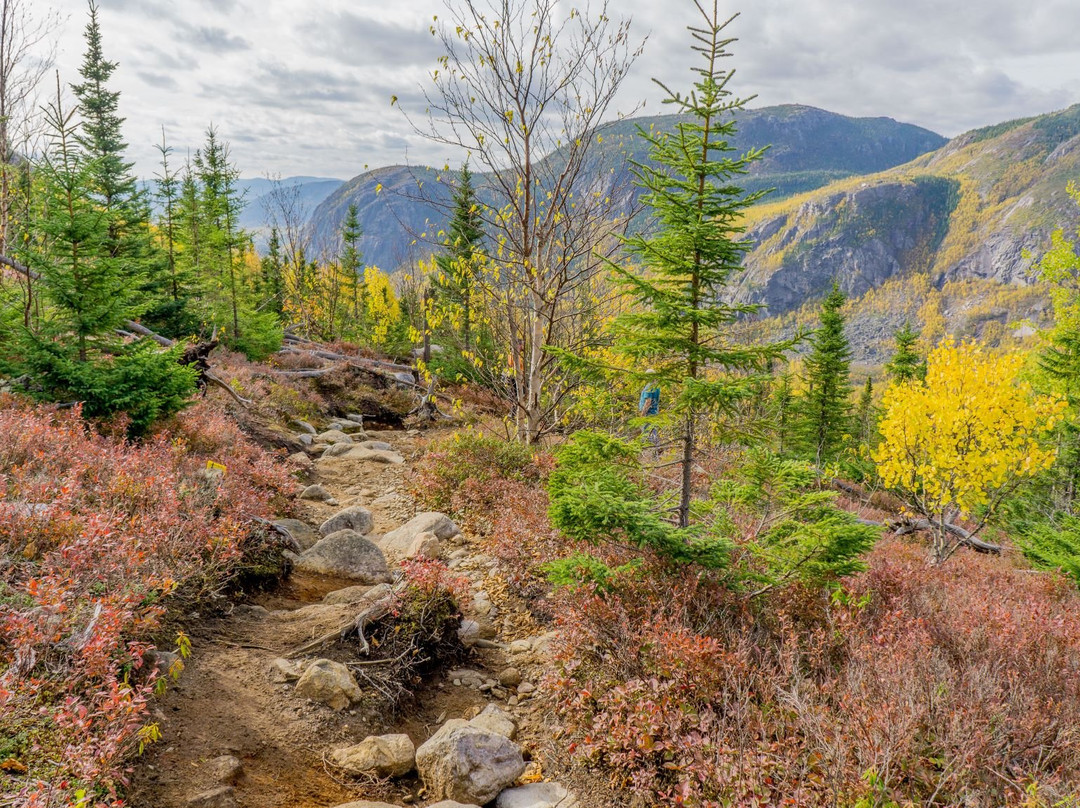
86, 283
826, 404
457, 267
906, 364
351, 261
101, 134
681, 319
866, 415
272, 280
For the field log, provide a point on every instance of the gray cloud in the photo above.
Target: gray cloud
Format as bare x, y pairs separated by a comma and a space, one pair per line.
211, 38
302, 87
360, 41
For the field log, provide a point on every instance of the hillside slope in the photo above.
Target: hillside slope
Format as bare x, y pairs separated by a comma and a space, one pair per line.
964, 223
402, 208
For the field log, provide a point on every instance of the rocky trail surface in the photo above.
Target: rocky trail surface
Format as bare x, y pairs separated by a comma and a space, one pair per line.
266, 715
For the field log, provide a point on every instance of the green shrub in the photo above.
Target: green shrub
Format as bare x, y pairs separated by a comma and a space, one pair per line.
140, 381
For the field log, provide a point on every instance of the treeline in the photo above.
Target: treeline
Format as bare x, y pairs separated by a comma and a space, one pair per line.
87, 251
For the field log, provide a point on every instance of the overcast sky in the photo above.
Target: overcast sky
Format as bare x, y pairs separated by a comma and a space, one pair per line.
304, 86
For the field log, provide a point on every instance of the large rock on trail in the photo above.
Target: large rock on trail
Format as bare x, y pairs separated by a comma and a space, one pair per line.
318, 493
400, 540
338, 449
329, 683
537, 795
303, 533
464, 763
377, 756
352, 518
332, 436
494, 719
365, 455
346, 554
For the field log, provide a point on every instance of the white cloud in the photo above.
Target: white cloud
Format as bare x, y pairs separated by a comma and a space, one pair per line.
303, 90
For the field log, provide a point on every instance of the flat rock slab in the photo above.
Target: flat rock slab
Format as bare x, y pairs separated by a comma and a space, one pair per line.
361, 454
536, 795
346, 554
333, 436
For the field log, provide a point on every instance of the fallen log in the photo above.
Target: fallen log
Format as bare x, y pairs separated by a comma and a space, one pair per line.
905, 525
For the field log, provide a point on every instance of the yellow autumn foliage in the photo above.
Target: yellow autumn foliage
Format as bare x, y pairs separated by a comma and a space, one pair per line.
383, 309
968, 432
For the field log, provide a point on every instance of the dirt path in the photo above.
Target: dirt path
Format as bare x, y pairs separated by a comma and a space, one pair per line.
227, 703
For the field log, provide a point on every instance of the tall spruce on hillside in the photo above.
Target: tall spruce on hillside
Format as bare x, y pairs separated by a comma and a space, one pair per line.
679, 323
457, 267
826, 404
86, 283
101, 134
906, 364
351, 261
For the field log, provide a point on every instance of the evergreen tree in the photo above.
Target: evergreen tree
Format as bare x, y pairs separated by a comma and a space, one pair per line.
866, 415
457, 267
351, 262
826, 404
219, 204
784, 407
906, 364
272, 280
681, 319
77, 355
101, 134
86, 283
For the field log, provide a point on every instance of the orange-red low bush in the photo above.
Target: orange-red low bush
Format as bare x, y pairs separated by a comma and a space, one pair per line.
956, 685
95, 535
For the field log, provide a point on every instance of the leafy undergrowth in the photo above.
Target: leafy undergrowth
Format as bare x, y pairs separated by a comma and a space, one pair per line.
98, 537
907, 685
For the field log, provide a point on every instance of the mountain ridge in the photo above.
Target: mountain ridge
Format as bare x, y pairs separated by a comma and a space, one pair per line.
402, 208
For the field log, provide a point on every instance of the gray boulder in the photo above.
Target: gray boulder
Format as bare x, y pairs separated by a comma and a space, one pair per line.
352, 518
471, 765
377, 445
317, 493
226, 770
537, 795
426, 545
333, 436
329, 683
302, 532
495, 720
401, 540
303, 426
377, 756
346, 554
338, 449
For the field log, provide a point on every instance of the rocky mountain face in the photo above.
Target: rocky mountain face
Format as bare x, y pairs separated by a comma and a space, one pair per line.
402, 208
964, 224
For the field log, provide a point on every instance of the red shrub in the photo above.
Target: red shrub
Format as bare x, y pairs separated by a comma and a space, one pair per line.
95, 533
